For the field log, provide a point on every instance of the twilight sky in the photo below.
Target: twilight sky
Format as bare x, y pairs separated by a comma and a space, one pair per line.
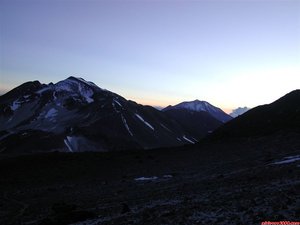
159, 52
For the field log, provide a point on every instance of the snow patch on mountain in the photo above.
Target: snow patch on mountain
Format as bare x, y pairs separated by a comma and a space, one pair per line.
15, 105
67, 85
51, 113
68, 143
162, 178
76, 87
289, 159
117, 102
146, 178
165, 127
86, 93
88, 97
126, 125
194, 139
88, 82
43, 90
54, 95
187, 139
73, 143
145, 122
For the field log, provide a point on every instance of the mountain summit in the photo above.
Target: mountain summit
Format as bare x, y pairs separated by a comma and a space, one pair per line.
200, 106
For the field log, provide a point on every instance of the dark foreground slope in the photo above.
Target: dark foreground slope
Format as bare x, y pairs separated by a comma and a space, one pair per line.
218, 183
281, 115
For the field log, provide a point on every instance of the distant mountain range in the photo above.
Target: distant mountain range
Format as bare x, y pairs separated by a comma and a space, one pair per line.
76, 115
238, 111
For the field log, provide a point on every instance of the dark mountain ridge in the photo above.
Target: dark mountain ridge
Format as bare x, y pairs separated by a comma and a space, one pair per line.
281, 115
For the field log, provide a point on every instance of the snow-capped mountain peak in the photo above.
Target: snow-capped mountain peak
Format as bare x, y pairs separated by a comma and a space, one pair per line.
198, 106
72, 87
75, 83
77, 86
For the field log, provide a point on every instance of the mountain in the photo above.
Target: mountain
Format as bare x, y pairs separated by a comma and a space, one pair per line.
227, 181
76, 115
199, 106
238, 111
280, 116
199, 123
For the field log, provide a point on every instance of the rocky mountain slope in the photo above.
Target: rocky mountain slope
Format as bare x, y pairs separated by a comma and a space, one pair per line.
199, 123
76, 115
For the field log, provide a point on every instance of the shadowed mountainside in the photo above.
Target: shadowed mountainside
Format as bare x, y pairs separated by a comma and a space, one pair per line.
199, 123
281, 115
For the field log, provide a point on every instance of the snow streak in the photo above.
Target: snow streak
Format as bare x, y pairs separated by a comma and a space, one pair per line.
145, 122
289, 159
189, 140
126, 125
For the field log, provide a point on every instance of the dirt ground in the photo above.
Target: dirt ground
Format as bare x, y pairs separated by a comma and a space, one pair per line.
228, 182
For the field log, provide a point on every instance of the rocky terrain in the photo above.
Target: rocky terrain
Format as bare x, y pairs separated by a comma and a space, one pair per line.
242, 181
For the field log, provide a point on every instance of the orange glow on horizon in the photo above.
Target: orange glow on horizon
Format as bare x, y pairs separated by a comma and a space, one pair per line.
164, 103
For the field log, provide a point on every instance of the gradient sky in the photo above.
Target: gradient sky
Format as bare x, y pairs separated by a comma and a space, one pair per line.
230, 53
